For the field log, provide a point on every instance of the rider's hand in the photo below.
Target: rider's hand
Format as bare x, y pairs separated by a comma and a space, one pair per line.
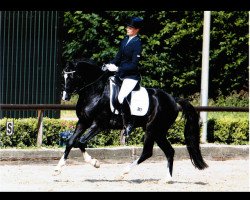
112, 67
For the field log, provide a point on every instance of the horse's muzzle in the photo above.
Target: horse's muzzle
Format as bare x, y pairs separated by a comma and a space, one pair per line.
66, 96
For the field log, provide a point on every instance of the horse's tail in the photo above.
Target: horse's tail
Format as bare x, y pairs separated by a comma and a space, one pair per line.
192, 133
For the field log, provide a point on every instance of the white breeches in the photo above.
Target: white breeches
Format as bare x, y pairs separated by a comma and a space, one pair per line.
127, 86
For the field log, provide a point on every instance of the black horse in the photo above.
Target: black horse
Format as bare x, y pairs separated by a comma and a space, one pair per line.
91, 83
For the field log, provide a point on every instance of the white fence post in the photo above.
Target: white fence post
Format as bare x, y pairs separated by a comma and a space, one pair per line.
205, 73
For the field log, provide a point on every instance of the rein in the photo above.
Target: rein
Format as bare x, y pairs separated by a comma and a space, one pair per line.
82, 88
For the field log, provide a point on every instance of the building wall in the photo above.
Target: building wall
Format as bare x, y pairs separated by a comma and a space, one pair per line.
30, 57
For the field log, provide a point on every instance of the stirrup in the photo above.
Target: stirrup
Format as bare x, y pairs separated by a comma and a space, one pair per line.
128, 130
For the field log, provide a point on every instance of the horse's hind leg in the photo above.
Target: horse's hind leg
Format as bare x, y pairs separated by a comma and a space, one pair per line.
168, 150
147, 152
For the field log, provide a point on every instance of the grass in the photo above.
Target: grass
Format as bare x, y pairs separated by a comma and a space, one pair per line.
68, 114
216, 115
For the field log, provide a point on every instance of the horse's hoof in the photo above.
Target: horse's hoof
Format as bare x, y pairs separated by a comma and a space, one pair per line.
119, 178
97, 163
56, 172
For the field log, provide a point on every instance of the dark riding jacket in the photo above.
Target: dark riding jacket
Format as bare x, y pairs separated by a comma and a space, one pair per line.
127, 58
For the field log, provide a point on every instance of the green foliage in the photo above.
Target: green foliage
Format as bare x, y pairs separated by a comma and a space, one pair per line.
172, 47
229, 131
229, 52
73, 100
52, 128
105, 138
25, 132
234, 99
176, 133
94, 35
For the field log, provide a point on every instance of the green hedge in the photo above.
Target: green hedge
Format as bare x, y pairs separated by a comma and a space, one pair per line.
25, 132
226, 131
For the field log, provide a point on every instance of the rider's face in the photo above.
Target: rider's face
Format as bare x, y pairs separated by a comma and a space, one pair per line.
131, 31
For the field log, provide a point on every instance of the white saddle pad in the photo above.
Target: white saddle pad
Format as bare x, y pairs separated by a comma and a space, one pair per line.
139, 103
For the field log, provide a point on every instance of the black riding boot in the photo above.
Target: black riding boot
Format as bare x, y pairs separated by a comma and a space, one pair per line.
128, 119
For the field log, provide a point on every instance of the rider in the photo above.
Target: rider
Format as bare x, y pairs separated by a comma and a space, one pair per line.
125, 64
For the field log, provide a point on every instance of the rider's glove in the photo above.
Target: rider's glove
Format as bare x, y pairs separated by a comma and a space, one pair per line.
112, 67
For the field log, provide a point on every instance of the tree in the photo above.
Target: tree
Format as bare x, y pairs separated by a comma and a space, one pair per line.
172, 47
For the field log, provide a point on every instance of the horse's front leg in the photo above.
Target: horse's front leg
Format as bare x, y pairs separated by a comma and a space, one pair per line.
80, 128
93, 131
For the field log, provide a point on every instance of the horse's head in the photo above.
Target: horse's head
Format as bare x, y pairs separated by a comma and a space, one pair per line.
69, 74
77, 75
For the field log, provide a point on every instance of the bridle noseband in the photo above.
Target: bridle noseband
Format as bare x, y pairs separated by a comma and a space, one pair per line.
66, 75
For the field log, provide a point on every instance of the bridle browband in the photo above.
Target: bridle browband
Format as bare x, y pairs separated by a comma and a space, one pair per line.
69, 72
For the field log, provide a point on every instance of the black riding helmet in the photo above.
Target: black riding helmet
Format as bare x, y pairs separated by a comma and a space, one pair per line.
135, 22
